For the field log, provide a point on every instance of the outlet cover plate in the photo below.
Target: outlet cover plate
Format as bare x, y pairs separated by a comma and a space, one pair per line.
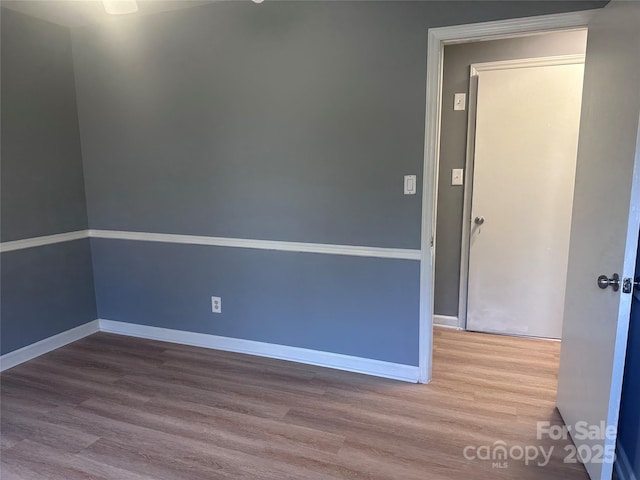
216, 304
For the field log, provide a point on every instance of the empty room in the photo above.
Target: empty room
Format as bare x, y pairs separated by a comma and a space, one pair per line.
300, 239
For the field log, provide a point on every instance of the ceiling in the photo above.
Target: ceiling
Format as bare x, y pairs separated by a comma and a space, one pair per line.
75, 13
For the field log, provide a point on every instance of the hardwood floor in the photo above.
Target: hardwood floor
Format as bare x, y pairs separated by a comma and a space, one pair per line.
113, 407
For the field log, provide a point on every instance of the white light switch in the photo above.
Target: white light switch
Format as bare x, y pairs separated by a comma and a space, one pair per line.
409, 184
460, 101
457, 176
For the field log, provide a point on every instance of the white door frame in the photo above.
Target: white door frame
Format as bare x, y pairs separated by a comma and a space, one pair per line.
437, 39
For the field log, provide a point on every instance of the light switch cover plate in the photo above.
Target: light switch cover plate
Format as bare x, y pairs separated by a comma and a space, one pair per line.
460, 101
409, 184
457, 176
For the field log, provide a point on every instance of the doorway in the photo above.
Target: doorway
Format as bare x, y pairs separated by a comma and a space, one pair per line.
438, 38
597, 305
518, 127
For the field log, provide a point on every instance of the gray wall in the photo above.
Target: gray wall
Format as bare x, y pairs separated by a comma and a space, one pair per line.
42, 181
349, 305
453, 143
44, 290
289, 121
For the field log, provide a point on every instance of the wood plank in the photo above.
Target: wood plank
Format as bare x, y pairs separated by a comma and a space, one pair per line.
114, 407
30, 460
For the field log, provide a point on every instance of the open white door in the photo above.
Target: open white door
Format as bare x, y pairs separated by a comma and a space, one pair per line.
604, 235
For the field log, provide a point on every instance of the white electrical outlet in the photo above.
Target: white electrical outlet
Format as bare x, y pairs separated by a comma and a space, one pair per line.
216, 304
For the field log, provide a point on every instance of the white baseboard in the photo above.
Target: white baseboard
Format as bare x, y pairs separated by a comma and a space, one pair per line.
446, 321
623, 466
34, 350
378, 368
407, 373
